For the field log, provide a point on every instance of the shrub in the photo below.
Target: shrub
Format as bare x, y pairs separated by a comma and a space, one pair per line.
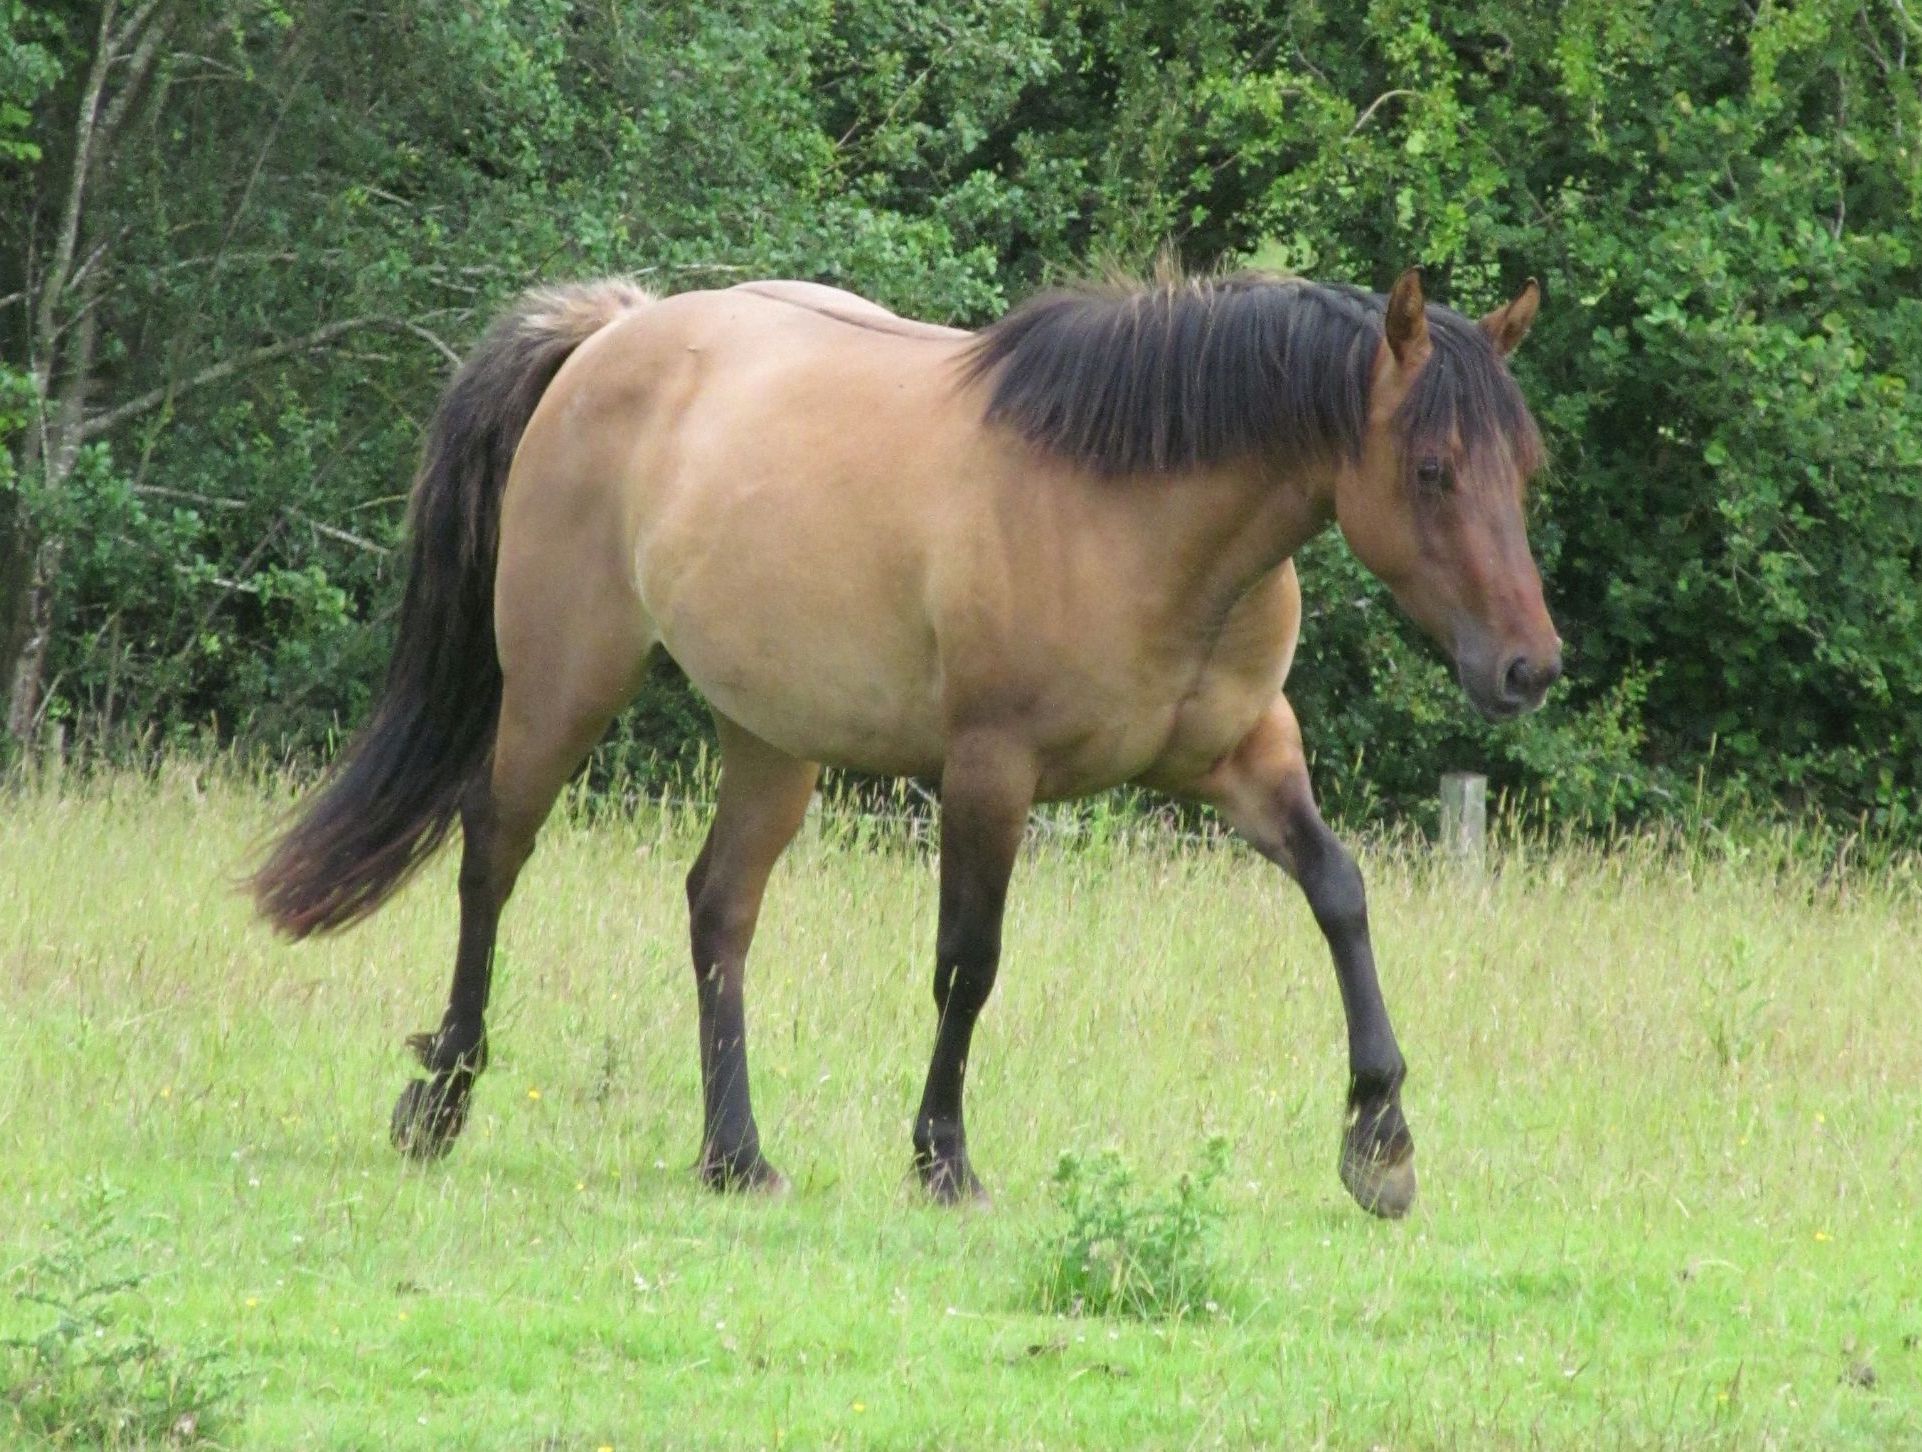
96, 1376
1129, 1251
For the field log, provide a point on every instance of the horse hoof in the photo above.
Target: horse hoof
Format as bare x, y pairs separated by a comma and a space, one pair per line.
428, 1117
952, 1182
1384, 1187
750, 1177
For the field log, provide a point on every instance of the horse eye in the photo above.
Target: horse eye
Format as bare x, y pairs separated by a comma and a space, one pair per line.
1429, 473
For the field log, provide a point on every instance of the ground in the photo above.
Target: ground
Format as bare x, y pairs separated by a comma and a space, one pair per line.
1666, 1102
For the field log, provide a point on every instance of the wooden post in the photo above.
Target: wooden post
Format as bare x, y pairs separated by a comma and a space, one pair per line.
1464, 817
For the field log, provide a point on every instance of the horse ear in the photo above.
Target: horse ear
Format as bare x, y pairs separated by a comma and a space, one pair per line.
1407, 323
1507, 326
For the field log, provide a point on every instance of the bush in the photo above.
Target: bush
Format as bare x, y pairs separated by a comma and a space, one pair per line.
1719, 200
1125, 1251
96, 1376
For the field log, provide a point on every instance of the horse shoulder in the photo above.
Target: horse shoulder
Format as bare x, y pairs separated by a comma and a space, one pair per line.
1237, 682
1257, 641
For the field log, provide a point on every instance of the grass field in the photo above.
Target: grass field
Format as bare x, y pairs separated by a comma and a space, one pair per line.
1666, 1106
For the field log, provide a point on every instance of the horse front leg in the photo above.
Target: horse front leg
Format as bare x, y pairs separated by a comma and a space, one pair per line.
987, 787
1262, 789
763, 800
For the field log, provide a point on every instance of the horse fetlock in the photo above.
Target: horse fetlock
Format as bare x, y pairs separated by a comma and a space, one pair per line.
451, 1049
1377, 1088
941, 1162
740, 1171
949, 1179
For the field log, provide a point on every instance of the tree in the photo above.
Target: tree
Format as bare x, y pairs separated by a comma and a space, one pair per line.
285, 222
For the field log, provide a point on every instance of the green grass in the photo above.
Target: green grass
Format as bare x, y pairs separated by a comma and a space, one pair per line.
1666, 1105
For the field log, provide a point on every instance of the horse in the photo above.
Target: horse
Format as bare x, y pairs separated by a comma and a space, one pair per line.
1033, 562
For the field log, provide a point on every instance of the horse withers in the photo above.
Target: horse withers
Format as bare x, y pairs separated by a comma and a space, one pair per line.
1035, 561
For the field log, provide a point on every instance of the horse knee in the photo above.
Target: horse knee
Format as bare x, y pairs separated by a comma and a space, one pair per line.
1330, 880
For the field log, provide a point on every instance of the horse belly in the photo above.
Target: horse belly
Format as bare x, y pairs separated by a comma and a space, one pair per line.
832, 706
820, 654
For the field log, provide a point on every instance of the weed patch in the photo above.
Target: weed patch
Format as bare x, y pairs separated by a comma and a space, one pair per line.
95, 1375
1129, 1250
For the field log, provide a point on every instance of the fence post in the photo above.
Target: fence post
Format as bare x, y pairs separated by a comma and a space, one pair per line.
1464, 817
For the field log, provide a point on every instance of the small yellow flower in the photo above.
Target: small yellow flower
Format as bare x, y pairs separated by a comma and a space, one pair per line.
860, 1406
1820, 1117
605, 1447
1823, 1235
580, 1184
533, 1094
252, 1301
403, 1315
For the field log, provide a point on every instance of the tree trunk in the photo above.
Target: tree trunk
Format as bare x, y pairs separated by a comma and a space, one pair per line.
16, 597
61, 312
34, 633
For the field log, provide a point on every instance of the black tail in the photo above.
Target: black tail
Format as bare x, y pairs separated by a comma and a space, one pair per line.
396, 790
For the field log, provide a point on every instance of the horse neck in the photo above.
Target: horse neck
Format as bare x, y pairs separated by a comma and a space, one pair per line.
1224, 529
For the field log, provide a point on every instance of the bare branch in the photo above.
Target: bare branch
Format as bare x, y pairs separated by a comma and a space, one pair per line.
345, 536
139, 65
136, 23
431, 338
178, 264
212, 501
384, 195
92, 258
68, 236
112, 418
1374, 106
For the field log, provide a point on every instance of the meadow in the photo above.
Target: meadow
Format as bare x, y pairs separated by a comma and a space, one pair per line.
1666, 1099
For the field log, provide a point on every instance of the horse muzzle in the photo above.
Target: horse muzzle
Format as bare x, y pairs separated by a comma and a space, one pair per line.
1504, 685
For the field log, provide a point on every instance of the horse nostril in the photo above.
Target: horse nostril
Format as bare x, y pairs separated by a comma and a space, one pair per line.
1518, 681
1527, 681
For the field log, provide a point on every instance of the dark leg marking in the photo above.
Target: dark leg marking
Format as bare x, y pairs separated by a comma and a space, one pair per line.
985, 795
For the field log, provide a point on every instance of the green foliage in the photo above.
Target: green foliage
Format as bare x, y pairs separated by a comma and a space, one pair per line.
95, 1375
1721, 201
30, 66
1132, 1252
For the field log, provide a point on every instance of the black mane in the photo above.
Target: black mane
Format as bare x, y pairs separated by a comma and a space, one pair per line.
1178, 375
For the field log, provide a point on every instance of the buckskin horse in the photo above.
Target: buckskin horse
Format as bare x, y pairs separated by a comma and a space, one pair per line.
1034, 561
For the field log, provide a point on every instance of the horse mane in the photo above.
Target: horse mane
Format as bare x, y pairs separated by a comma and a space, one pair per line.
1188, 372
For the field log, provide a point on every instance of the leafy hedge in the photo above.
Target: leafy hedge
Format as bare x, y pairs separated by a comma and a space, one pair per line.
1721, 200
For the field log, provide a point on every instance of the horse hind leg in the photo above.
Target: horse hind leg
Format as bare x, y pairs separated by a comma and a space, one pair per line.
552, 713
762, 800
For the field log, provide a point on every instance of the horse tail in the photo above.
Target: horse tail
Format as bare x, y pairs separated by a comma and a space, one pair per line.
393, 795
